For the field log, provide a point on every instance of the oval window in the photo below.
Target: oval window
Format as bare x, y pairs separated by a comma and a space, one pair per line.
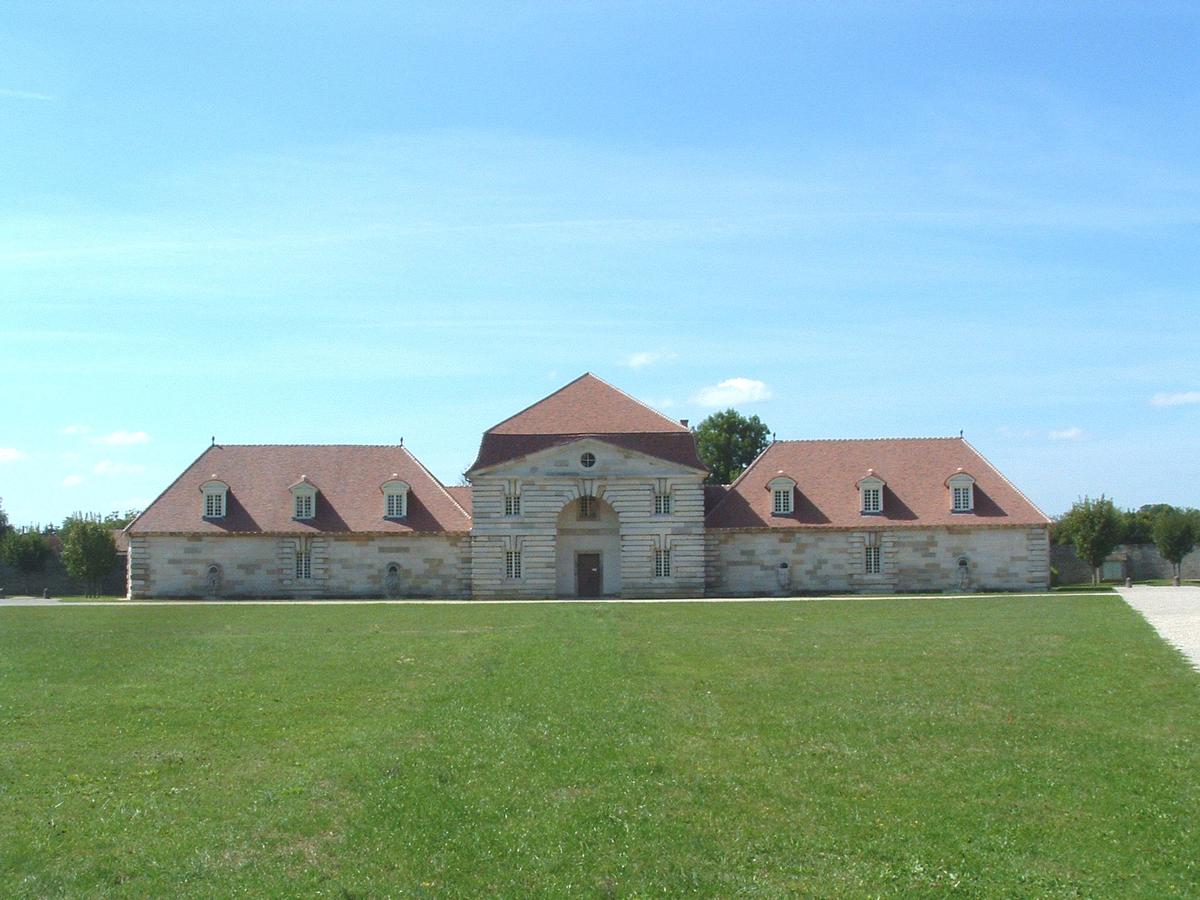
587, 460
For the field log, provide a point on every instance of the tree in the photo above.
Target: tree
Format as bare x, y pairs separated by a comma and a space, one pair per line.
1093, 527
1138, 526
1174, 536
89, 552
3, 518
25, 551
728, 442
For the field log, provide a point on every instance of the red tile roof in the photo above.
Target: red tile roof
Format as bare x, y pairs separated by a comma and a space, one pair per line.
588, 407
349, 500
462, 496
826, 473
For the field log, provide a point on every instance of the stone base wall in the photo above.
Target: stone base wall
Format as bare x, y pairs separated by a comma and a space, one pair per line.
747, 563
264, 566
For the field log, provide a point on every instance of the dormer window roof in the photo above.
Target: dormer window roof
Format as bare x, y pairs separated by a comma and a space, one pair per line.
870, 493
395, 497
215, 493
304, 498
962, 491
783, 491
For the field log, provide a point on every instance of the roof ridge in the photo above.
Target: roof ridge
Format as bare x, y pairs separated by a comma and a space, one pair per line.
536, 402
953, 437
675, 423
436, 481
1020, 493
379, 446
741, 475
163, 492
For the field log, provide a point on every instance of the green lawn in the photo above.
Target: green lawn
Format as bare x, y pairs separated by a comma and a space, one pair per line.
1009, 746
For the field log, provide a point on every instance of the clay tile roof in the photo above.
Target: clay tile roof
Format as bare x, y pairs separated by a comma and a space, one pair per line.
916, 494
588, 407
462, 496
347, 478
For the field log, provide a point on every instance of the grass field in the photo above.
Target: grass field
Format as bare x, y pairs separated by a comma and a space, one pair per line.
1011, 746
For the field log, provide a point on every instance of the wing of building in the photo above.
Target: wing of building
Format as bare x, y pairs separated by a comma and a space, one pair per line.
588, 493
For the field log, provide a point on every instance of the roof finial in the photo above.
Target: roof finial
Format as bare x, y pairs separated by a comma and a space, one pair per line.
772, 437
401, 440
960, 432
214, 441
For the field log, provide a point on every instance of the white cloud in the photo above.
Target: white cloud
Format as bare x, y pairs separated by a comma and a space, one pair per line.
1073, 433
10, 454
72, 481
24, 95
732, 391
123, 438
108, 467
1183, 398
648, 358
74, 429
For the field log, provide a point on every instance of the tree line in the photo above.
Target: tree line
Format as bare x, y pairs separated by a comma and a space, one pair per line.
84, 543
1096, 527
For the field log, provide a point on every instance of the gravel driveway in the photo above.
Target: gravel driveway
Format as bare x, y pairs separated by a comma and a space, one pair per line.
1174, 612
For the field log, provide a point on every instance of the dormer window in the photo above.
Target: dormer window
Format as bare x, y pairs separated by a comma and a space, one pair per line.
304, 499
962, 492
395, 497
870, 491
215, 492
783, 492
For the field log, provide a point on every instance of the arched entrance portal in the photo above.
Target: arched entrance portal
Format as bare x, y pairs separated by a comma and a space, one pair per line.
588, 549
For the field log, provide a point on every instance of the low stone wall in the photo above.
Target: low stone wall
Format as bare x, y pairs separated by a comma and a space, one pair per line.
55, 580
264, 566
1141, 562
747, 563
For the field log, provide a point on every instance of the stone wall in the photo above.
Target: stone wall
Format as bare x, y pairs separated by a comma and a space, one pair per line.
265, 566
55, 580
747, 563
1141, 562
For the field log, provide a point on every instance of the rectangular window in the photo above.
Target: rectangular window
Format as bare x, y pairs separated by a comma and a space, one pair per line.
214, 505
872, 500
303, 565
781, 502
512, 564
395, 506
662, 504
512, 505
587, 507
304, 506
962, 499
662, 563
873, 561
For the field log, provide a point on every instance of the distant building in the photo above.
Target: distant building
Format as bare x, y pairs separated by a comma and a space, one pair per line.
588, 493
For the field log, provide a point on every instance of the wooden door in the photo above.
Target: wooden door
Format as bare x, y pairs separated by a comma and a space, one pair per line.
588, 580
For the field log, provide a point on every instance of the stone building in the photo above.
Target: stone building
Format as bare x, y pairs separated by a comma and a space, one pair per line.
587, 493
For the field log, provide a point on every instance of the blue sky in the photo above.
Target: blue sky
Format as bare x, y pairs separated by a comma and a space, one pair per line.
352, 222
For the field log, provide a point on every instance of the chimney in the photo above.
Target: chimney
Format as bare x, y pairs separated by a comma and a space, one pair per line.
683, 422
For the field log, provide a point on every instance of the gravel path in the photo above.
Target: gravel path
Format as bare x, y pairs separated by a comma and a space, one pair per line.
1174, 612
